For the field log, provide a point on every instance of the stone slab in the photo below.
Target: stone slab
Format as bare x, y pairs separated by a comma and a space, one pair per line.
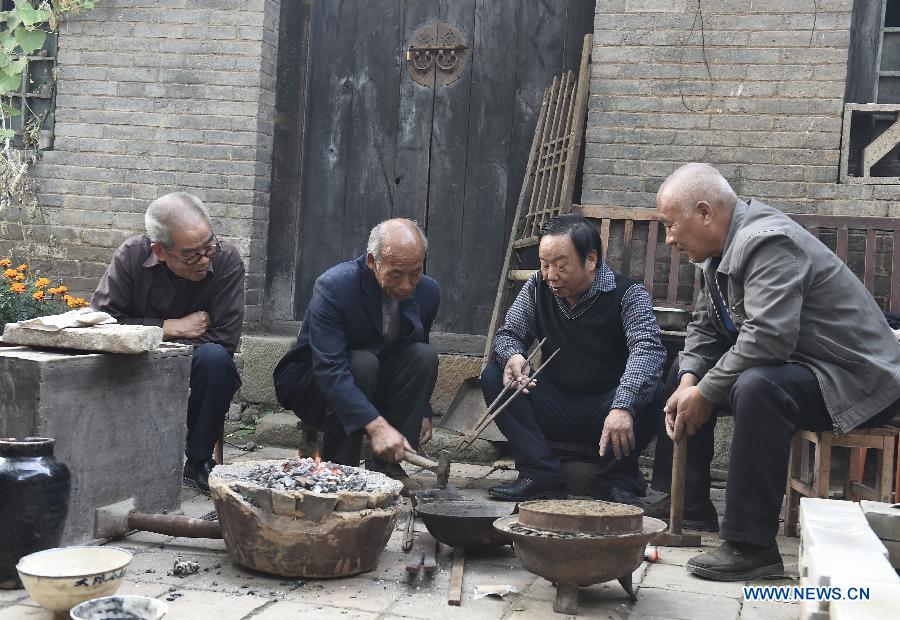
118, 421
884, 520
129, 339
893, 547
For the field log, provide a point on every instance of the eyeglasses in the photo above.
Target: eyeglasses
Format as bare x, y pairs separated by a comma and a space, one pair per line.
193, 259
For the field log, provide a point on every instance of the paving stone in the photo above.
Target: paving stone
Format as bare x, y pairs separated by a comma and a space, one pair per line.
882, 604
154, 565
678, 556
23, 612
591, 604
199, 604
11, 596
610, 593
677, 578
884, 520
428, 605
768, 610
684, 605
297, 609
142, 588
354, 593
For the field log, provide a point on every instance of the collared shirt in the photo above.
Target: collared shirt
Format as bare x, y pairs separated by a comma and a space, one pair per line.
646, 355
138, 289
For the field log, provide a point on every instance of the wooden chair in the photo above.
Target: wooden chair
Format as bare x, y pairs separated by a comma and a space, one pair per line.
882, 439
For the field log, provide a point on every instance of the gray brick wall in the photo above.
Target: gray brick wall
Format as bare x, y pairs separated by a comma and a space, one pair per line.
769, 117
154, 96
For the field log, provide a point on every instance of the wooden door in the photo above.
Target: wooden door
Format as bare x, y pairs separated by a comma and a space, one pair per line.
379, 144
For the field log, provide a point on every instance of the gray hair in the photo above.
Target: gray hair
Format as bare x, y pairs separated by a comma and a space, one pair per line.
166, 212
375, 244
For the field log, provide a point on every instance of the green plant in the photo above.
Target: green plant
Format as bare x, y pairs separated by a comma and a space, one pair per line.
23, 32
24, 295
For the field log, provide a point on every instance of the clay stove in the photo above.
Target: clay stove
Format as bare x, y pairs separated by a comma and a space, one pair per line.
303, 517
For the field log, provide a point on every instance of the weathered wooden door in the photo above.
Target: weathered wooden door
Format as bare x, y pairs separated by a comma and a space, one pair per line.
383, 140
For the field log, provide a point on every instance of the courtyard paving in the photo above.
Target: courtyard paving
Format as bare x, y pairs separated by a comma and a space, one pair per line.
221, 590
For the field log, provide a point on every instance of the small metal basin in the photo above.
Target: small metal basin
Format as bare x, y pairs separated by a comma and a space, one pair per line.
464, 523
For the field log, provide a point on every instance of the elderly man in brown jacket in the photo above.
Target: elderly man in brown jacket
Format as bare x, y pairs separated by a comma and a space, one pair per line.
785, 336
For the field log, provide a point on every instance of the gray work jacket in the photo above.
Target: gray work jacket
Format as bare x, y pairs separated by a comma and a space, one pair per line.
792, 300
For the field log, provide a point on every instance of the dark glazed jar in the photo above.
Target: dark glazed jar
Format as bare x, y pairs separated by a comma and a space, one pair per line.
34, 501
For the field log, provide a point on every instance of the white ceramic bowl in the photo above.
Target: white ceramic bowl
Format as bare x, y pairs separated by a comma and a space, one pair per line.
60, 578
114, 607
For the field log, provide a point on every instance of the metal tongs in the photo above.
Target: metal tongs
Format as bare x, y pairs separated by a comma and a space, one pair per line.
493, 410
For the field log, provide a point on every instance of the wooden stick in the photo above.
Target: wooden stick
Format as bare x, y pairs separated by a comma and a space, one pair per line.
456, 577
469, 436
429, 551
513, 397
676, 500
406, 545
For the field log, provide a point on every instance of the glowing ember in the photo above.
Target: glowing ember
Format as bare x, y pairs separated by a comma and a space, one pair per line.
312, 475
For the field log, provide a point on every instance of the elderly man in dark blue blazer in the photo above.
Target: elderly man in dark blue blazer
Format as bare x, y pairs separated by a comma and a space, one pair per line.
362, 361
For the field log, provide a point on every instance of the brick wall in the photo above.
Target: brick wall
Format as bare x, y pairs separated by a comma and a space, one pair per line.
154, 96
768, 113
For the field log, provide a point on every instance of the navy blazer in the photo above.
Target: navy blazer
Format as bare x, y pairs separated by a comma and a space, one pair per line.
345, 314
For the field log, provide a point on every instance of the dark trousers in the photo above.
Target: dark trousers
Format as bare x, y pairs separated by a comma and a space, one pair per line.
769, 404
399, 386
545, 414
214, 380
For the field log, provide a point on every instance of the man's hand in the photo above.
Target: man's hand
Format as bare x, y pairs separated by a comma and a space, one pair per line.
518, 368
618, 430
686, 411
193, 325
387, 443
425, 434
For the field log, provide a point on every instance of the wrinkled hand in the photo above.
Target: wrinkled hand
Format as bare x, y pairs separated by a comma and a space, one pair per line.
686, 411
193, 325
618, 431
518, 368
425, 434
387, 442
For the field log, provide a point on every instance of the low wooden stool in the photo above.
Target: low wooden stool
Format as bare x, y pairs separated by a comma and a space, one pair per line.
883, 439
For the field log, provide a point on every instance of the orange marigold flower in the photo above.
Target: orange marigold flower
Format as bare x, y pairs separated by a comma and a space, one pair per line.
22, 267
75, 302
17, 287
62, 289
42, 282
5, 262
39, 295
10, 273
19, 276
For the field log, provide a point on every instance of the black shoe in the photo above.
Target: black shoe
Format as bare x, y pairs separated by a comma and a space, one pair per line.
698, 515
525, 489
196, 474
620, 496
737, 562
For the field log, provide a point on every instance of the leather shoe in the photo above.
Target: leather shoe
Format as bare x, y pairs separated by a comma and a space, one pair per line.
737, 562
621, 496
525, 489
196, 474
698, 515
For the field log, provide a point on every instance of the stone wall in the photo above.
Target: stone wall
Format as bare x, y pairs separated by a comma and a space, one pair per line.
757, 91
154, 96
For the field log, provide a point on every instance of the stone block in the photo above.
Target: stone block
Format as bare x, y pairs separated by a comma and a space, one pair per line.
118, 421
104, 338
883, 519
279, 429
260, 355
882, 603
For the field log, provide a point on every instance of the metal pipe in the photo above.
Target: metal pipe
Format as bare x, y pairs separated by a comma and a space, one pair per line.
174, 525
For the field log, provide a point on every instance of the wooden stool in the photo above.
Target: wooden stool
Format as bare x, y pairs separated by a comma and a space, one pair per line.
883, 439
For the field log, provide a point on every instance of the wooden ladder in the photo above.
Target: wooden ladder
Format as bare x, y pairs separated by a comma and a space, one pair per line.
549, 182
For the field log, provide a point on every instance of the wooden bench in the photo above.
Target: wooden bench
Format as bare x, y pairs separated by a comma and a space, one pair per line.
861, 242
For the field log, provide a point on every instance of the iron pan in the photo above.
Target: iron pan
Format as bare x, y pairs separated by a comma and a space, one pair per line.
465, 523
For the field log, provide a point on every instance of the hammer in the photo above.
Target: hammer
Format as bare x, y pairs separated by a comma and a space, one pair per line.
674, 537
441, 468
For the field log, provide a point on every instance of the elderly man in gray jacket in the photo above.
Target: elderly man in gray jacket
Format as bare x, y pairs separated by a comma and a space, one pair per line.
785, 336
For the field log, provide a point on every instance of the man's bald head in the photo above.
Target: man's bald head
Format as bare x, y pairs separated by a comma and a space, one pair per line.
396, 256
171, 212
393, 235
696, 182
695, 204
